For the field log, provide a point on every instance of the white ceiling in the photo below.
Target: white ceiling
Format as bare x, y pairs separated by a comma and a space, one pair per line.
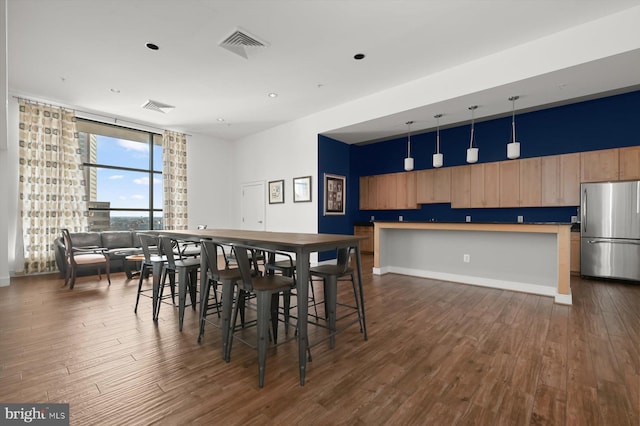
74, 52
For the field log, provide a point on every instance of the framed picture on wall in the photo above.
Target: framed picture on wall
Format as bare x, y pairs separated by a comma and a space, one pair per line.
335, 196
302, 189
276, 191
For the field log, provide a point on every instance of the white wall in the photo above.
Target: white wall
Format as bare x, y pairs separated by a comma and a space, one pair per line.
4, 126
209, 175
283, 152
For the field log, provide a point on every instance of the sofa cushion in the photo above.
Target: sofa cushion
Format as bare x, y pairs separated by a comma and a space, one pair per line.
117, 239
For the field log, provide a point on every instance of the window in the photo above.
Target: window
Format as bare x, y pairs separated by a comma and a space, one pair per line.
123, 176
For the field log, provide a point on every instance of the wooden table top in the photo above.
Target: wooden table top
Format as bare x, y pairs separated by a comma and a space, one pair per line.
291, 240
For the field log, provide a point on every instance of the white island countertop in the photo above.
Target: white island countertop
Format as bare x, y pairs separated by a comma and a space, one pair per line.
527, 257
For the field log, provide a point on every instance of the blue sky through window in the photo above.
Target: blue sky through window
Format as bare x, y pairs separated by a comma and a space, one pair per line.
127, 189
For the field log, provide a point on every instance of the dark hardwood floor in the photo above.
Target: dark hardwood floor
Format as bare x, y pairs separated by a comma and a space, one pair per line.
438, 353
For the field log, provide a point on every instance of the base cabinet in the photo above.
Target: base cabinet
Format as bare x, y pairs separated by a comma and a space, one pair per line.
574, 260
366, 246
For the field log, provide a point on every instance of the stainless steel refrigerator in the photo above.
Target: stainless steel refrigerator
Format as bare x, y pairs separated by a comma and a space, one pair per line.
610, 230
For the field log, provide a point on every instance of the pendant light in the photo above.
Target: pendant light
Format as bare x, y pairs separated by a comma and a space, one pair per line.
513, 147
437, 157
472, 151
408, 162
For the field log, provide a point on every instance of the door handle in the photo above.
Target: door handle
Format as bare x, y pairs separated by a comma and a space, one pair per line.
259, 221
635, 243
584, 210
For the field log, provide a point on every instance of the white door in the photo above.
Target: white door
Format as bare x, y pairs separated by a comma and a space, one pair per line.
253, 206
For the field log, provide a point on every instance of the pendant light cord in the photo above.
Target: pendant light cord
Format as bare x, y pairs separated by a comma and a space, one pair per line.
409, 138
513, 118
438, 133
472, 108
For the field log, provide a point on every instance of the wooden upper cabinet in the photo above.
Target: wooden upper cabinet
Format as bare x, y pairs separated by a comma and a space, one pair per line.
530, 182
599, 166
509, 183
485, 185
461, 187
433, 186
364, 193
561, 180
386, 191
406, 190
630, 163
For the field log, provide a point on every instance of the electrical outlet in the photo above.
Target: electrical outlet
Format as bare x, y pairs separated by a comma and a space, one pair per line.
574, 219
468, 219
400, 218
466, 258
520, 219
373, 218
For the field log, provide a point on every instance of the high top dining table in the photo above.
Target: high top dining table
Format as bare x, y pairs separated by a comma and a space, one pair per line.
301, 244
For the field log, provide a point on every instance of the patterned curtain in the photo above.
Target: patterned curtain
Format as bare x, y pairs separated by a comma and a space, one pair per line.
51, 187
174, 180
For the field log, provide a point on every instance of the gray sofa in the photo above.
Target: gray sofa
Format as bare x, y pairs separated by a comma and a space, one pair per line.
118, 242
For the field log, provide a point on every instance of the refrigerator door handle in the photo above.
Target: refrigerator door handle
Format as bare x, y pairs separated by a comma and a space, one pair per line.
584, 209
632, 242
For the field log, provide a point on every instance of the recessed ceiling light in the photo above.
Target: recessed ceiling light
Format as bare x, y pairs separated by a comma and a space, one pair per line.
152, 46
358, 56
273, 95
220, 119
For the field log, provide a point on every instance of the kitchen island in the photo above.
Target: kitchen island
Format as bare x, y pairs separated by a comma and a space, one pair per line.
531, 258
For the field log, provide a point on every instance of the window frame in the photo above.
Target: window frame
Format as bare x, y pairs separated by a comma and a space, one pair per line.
89, 126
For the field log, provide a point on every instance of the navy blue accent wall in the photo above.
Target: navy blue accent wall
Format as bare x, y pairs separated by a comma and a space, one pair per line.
334, 158
609, 122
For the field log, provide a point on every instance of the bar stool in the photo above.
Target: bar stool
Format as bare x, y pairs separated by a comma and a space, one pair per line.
213, 276
287, 267
187, 270
149, 244
267, 289
330, 275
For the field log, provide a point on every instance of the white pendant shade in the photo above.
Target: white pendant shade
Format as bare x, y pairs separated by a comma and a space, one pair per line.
513, 150
472, 155
437, 160
408, 164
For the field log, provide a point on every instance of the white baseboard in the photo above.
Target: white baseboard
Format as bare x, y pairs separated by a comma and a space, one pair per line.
4, 282
479, 281
564, 299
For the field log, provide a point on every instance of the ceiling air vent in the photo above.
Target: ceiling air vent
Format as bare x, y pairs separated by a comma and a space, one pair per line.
158, 106
238, 42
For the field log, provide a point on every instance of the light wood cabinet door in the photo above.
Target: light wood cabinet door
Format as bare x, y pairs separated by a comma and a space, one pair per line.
599, 166
485, 185
406, 190
561, 180
433, 186
442, 186
461, 187
530, 182
509, 183
574, 257
386, 190
630, 163
364, 193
